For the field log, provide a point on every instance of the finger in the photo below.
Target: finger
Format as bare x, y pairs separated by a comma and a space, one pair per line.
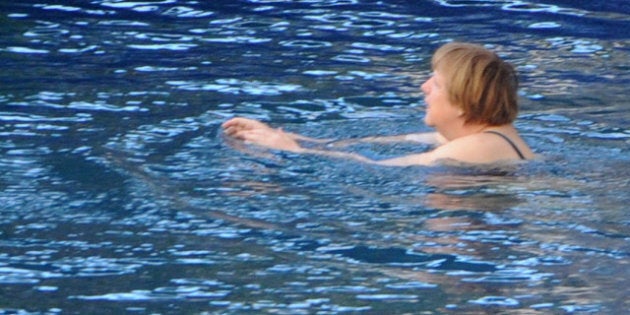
238, 121
233, 128
256, 136
234, 122
234, 132
230, 122
245, 135
230, 131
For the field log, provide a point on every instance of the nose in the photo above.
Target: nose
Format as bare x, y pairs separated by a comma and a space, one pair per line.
425, 86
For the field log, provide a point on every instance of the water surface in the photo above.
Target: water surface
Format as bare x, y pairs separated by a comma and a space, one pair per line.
119, 193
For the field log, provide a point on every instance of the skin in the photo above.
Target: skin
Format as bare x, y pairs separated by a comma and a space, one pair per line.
456, 140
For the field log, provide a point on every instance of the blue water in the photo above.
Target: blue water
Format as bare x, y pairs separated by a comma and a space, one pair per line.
119, 193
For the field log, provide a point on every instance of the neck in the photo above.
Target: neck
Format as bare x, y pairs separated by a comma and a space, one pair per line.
462, 130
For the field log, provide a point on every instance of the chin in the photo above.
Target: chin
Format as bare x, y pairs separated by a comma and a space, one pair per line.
428, 122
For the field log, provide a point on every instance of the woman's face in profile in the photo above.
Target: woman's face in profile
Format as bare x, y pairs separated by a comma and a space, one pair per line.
440, 111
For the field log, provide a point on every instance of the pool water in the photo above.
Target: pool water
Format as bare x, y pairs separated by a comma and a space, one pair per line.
120, 194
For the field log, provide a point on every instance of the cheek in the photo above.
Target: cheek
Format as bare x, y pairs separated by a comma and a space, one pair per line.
434, 98
425, 87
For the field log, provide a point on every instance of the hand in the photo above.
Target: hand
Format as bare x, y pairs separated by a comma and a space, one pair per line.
238, 124
259, 133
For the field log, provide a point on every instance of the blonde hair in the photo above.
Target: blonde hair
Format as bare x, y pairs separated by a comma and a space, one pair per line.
479, 82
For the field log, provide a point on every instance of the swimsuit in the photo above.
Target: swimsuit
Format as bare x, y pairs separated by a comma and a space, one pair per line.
520, 154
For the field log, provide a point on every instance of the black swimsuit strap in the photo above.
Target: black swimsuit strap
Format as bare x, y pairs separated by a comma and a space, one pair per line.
520, 154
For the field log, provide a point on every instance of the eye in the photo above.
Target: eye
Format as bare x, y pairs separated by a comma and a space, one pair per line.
435, 82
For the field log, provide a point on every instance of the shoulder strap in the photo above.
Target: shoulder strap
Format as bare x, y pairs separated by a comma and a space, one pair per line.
520, 154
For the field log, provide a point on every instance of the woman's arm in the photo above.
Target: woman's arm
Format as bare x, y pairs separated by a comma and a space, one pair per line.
300, 137
254, 131
432, 138
259, 133
239, 128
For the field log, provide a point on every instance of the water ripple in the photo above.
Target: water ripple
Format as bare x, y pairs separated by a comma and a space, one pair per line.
302, 43
26, 50
496, 301
512, 275
514, 5
65, 8
157, 295
186, 12
113, 165
23, 117
172, 46
352, 59
11, 275
236, 86
121, 4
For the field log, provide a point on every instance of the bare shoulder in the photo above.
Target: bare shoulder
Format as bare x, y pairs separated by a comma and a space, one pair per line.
508, 140
468, 149
484, 147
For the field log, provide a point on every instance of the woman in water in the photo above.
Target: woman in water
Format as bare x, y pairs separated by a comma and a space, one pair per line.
471, 102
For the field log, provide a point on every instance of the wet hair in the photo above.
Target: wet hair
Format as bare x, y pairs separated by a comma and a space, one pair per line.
478, 82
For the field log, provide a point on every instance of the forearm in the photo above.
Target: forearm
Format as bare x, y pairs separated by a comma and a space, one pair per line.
300, 137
